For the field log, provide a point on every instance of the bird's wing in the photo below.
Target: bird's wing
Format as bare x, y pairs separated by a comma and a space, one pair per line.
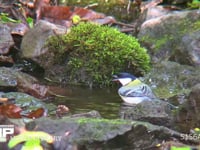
137, 91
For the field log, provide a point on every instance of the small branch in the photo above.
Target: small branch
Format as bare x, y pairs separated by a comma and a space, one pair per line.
91, 5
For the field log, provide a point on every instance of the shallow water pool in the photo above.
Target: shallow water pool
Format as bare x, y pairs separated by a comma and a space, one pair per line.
81, 100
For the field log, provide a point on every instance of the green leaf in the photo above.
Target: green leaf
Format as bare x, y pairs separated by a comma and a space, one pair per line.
32, 145
180, 148
4, 17
30, 22
30, 136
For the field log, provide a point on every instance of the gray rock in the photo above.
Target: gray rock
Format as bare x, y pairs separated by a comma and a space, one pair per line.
156, 112
13, 79
87, 133
33, 43
168, 79
156, 11
187, 117
162, 36
27, 102
33, 47
6, 40
190, 48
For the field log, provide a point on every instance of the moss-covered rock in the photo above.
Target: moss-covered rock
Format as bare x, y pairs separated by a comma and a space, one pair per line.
168, 79
28, 103
163, 35
98, 133
96, 52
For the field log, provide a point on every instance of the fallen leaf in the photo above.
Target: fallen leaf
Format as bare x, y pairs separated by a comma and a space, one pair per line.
35, 113
2, 100
10, 110
86, 14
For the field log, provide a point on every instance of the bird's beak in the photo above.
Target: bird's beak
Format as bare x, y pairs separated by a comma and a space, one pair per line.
115, 78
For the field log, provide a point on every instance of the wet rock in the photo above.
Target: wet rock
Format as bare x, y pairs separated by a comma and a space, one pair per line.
168, 79
6, 40
188, 114
189, 52
94, 133
27, 102
163, 35
12, 80
156, 112
7, 80
91, 114
33, 43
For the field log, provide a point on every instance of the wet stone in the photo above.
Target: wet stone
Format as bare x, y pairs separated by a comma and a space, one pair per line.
156, 111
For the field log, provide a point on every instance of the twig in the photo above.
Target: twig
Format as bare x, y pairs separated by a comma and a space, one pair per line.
91, 5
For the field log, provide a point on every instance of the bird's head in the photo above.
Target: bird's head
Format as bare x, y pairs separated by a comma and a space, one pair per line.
124, 78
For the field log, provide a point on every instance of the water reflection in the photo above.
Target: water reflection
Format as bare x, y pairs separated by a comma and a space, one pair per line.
81, 99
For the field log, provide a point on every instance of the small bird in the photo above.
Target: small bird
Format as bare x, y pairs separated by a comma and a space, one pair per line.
133, 91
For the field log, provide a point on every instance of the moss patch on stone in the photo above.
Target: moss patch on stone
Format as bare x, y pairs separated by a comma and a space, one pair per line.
102, 120
162, 38
96, 52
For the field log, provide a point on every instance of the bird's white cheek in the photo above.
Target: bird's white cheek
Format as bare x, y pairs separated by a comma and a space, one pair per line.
125, 81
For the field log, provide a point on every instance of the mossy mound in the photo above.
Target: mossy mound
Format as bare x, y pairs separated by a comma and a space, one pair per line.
96, 52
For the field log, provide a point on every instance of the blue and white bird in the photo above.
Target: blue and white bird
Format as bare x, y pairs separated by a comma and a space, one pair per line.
133, 91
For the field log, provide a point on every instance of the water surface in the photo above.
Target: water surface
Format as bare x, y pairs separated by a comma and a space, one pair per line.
81, 99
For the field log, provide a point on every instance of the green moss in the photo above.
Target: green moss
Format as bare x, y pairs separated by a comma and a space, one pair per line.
195, 4
166, 92
196, 26
96, 52
158, 42
169, 34
101, 120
